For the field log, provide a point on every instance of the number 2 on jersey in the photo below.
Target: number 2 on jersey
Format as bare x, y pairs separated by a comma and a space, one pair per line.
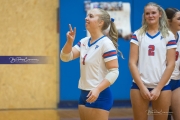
151, 50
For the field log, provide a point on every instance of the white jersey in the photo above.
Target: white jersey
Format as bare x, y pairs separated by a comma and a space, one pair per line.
176, 73
152, 56
92, 61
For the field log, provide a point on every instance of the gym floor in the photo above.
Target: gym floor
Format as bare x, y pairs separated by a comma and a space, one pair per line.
61, 114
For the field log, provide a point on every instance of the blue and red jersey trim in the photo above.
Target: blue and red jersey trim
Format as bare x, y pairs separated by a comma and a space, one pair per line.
134, 37
172, 42
110, 54
79, 44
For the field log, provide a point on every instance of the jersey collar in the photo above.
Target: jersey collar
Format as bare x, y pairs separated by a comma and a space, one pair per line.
152, 37
94, 41
177, 38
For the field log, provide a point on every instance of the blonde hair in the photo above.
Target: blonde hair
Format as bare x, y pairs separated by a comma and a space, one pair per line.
163, 22
113, 33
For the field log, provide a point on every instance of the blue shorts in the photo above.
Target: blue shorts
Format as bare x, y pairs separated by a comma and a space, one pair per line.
104, 101
174, 84
134, 86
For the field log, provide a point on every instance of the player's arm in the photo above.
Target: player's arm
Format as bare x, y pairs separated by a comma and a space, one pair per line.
171, 53
133, 60
112, 75
126, 37
68, 52
170, 61
166, 75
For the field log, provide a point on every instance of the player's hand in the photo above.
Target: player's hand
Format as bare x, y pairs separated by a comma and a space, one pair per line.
71, 34
128, 37
145, 93
93, 95
155, 94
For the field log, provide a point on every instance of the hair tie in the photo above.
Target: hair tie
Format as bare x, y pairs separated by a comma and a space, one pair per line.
112, 19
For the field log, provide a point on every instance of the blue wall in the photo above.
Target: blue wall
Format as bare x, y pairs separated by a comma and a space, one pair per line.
72, 12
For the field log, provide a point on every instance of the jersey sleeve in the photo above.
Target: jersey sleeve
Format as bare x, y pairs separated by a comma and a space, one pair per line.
134, 38
171, 42
109, 51
78, 45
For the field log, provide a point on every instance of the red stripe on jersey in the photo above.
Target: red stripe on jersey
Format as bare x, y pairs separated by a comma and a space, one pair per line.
134, 36
109, 54
172, 42
79, 44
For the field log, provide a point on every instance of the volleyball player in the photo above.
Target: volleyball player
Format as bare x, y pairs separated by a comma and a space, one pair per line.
151, 63
173, 16
98, 64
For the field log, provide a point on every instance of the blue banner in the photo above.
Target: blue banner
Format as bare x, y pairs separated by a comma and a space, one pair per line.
23, 59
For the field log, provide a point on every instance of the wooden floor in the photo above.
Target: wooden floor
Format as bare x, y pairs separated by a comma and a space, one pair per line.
61, 114
115, 114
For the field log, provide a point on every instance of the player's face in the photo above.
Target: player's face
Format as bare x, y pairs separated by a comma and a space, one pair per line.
92, 19
151, 15
175, 23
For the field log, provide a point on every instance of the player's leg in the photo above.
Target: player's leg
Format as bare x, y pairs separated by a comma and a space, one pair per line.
175, 104
161, 105
81, 106
95, 114
98, 110
175, 100
139, 104
82, 112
